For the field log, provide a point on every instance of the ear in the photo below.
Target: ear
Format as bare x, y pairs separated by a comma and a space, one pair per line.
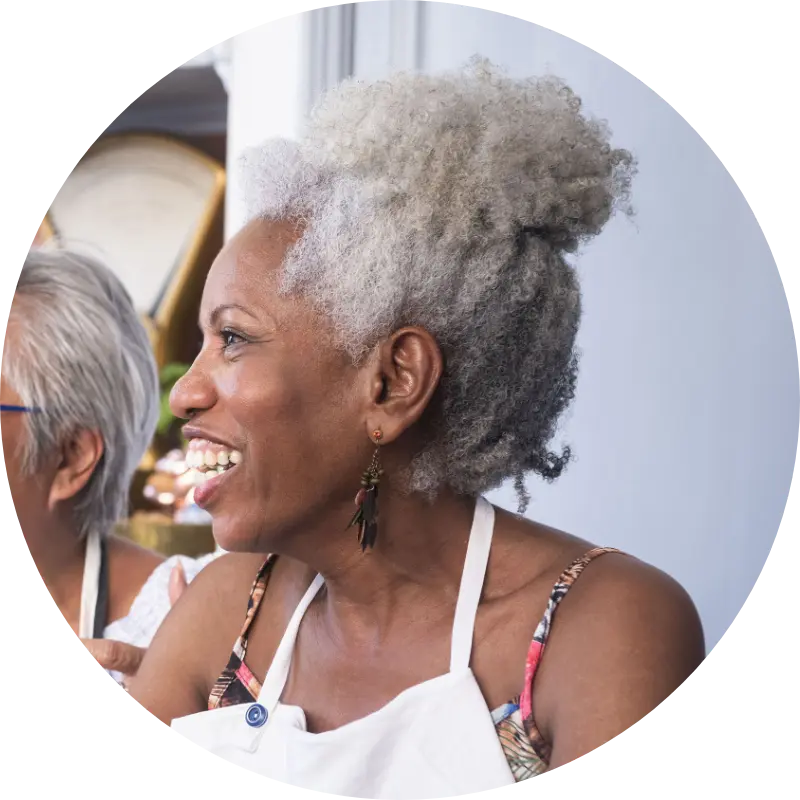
407, 371
80, 455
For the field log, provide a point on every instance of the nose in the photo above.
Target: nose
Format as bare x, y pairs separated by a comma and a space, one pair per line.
192, 393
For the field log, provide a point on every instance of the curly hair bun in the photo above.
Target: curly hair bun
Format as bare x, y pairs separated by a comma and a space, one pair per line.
478, 146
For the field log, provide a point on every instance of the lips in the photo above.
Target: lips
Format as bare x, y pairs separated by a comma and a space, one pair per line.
204, 493
214, 461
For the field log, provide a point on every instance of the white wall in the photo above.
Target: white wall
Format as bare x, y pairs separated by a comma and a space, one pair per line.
274, 74
266, 80
685, 422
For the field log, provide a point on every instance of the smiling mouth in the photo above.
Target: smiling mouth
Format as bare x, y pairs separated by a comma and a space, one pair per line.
211, 458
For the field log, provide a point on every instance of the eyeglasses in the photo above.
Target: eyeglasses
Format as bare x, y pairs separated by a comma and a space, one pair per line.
20, 409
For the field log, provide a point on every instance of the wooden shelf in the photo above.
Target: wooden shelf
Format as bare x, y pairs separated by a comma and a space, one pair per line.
169, 539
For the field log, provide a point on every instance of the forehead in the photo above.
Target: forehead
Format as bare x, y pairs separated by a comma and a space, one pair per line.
248, 267
9, 326
13, 333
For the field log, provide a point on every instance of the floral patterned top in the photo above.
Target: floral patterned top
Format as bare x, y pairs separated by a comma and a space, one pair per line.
525, 749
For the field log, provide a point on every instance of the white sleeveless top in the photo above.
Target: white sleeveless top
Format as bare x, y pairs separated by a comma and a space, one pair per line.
397, 752
147, 612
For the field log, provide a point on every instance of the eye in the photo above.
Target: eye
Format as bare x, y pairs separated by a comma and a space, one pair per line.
231, 338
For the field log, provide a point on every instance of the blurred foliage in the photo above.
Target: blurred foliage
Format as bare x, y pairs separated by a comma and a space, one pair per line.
169, 376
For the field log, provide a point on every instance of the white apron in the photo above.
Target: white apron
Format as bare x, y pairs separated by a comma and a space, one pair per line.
435, 739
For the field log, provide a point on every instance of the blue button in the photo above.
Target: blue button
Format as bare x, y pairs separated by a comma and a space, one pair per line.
256, 715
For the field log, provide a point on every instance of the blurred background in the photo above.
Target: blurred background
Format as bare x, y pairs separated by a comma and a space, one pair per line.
685, 422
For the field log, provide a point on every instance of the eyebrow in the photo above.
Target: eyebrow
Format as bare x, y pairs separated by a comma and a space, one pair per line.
216, 313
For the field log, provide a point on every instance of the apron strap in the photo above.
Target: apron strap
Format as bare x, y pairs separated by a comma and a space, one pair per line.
278, 673
90, 585
101, 609
469, 594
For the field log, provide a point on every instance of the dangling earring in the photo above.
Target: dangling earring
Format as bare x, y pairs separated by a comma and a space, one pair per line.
366, 517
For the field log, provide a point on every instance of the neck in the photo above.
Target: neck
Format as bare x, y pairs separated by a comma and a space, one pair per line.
419, 555
59, 554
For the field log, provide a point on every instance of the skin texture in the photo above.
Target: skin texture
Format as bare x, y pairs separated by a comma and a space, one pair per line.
270, 383
45, 503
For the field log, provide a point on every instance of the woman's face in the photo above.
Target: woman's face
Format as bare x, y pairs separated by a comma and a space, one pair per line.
272, 404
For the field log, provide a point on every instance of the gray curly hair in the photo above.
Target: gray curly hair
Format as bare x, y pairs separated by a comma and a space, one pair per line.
450, 202
85, 361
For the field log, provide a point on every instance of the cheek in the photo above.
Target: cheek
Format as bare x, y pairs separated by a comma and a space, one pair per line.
297, 425
11, 454
260, 403
29, 492
297, 395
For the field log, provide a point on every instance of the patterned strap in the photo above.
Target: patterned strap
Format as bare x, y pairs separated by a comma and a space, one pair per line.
236, 683
540, 637
253, 603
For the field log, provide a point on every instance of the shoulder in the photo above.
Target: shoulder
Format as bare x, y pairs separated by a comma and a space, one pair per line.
131, 557
192, 646
129, 568
218, 596
595, 589
622, 600
624, 637
227, 578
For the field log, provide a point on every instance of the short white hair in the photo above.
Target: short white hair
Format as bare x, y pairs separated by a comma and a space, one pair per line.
83, 359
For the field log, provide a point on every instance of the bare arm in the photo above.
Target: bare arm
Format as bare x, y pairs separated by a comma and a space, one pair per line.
194, 642
625, 637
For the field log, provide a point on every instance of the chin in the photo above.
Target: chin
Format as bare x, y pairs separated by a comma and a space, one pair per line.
235, 537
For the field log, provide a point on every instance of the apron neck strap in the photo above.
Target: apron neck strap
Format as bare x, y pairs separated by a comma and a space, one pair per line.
469, 595
101, 609
472, 578
278, 671
94, 590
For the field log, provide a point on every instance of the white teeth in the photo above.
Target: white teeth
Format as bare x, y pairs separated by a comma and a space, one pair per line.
201, 457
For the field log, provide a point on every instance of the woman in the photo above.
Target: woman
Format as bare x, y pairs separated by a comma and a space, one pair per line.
80, 402
397, 323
